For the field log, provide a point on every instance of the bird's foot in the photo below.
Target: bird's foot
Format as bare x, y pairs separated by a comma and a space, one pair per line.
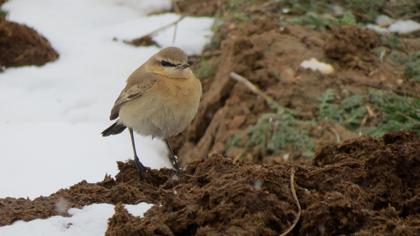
140, 167
175, 163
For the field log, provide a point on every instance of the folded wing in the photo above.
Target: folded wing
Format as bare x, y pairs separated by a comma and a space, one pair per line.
137, 85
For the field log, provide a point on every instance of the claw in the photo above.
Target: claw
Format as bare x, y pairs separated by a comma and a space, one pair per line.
140, 167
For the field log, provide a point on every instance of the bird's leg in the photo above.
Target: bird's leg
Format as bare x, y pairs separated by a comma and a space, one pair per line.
172, 157
140, 166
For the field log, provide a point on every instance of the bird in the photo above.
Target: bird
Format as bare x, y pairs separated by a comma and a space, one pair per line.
160, 99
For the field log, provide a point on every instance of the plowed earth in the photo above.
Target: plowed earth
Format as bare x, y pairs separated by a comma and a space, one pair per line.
364, 186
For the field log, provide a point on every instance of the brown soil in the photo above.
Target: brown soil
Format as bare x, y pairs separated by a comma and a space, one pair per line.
269, 55
21, 45
364, 186
143, 42
127, 187
200, 8
352, 47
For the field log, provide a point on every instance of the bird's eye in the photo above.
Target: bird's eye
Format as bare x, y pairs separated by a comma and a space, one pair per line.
167, 64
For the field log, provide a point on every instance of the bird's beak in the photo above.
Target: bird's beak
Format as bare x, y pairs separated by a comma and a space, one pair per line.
183, 66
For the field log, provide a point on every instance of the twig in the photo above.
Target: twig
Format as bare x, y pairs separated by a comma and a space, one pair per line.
174, 36
151, 34
177, 11
335, 132
334, 167
236, 158
257, 91
293, 190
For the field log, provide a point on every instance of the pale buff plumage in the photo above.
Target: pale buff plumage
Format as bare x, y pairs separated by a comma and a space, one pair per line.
165, 109
160, 99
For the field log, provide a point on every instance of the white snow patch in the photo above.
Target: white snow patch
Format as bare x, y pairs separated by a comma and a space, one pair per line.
315, 65
378, 28
384, 24
138, 209
52, 115
187, 32
90, 220
384, 21
142, 6
404, 26
42, 157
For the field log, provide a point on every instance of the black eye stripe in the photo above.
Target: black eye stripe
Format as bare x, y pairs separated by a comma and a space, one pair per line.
167, 64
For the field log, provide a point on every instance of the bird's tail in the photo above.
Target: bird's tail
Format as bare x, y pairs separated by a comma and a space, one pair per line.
115, 128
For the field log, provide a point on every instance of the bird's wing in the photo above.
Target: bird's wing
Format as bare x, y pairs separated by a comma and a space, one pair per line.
137, 85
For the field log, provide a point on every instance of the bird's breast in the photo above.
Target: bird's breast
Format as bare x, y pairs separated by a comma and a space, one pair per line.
165, 110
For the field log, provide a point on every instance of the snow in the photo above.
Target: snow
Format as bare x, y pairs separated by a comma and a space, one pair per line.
138, 209
384, 20
315, 65
404, 26
385, 24
90, 220
52, 116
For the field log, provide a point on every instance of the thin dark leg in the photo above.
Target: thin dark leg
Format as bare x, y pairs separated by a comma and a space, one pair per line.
172, 157
140, 166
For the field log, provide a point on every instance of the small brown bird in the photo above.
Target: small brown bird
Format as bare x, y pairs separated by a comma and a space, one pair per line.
160, 99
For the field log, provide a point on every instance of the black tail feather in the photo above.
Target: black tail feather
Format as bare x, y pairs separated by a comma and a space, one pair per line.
115, 128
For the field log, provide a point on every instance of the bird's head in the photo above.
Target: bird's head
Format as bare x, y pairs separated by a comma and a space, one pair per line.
171, 62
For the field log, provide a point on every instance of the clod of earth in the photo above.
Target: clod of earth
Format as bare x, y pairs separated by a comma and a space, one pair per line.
21, 45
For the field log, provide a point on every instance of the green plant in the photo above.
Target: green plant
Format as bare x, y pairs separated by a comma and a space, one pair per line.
350, 111
367, 10
205, 69
353, 110
314, 20
394, 112
233, 141
391, 41
303, 6
411, 63
327, 108
397, 113
235, 10
347, 18
323, 21
412, 67
274, 132
235, 4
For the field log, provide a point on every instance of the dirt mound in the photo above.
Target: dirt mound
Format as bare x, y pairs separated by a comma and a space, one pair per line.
127, 187
269, 56
364, 186
352, 47
217, 197
21, 45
